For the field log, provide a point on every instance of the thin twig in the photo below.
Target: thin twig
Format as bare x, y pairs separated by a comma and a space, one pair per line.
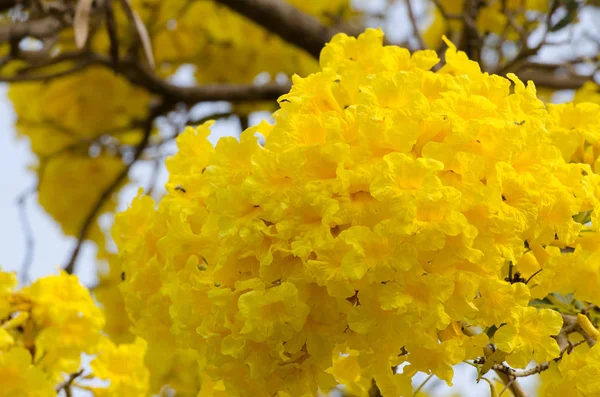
415, 27
111, 28
526, 51
422, 384
66, 385
532, 276
156, 163
27, 233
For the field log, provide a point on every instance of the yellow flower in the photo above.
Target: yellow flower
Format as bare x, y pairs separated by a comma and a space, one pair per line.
274, 314
67, 322
123, 366
19, 377
575, 375
529, 337
346, 370
500, 302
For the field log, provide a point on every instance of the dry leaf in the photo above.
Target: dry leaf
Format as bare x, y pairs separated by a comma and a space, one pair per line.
81, 23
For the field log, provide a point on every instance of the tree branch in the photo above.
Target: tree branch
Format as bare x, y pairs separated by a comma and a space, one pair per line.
542, 77
141, 75
288, 22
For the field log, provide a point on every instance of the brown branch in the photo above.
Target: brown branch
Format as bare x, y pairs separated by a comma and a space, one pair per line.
288, 22
524, 34
141, 75
472, 40
111, 28
538, 368
66, 385
542, 77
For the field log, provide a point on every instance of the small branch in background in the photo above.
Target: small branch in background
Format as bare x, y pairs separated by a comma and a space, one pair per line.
66, 385
244, 121
544, 77
472, 40
422, 385
141, 75
524, 35
27, 233
415, 27
111, 28
156, 163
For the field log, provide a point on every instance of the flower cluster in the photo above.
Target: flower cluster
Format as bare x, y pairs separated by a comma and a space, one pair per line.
44, 330
575, 127
571, 377
389, 208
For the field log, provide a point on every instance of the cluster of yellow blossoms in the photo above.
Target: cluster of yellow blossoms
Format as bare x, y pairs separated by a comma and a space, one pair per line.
389, 208
44, 330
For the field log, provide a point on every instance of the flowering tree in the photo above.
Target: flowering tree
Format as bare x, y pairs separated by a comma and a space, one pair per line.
410, 207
